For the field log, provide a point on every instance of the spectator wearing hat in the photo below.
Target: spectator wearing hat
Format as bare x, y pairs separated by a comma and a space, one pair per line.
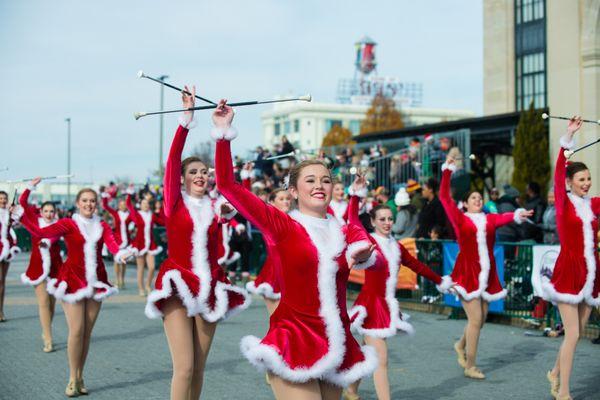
405, 224
414, 191
433, 212
508, 203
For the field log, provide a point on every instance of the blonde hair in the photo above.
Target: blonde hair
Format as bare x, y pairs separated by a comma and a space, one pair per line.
86, 190
297, 169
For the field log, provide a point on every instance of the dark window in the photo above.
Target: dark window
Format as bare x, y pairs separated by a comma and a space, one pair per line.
277, 129
530, 53
296, 125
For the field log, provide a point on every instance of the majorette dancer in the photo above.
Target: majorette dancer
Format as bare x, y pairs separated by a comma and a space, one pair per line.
376, 313
267, 283
44, 262
474, 274
309, 348
192, 291
82, 283
121, 220
575, 281
143, 244
8, 244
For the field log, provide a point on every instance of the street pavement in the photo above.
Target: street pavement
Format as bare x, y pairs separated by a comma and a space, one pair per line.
129, 357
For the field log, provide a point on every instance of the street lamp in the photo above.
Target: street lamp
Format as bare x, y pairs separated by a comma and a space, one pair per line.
160, 137
68, 121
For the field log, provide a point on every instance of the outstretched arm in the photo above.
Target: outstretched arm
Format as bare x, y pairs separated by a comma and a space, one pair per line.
61, 228
417, 266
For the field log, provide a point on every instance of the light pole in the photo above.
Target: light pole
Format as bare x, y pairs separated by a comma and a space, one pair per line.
160, 137
68, 121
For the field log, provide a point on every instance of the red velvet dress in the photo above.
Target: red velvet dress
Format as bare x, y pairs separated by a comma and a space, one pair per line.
144, 221
267, 283
474, 272
576, 276
376, 311
194, 233
44, 262
309, 335
82, 275
121, 220
8, 238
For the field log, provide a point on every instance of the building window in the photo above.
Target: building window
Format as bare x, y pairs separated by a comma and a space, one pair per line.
530, 53
355, 127
287, 127
330, 123
296, 125
277, 129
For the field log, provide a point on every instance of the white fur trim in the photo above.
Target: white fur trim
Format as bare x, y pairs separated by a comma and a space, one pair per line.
46, 263
517, 216
123, 215
583, 209
217, 206
445, 285
105, 195
17, 213
225, 236
187, 121
4, 221
183, 292
362, 192
264, 289
357, 371
227, 134
451, 167
156, 251
355, 247
339, 209
147, 218
122, 256
14, 250
245, 174
493, 297
480, 222
264, 356
130, 191
567, 144
240, 228
222, 309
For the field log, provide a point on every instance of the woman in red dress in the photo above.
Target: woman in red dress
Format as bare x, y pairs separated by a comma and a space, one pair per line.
267, 282
8, 244
144, 246
82, 282
44, 262
376, 313
474, 275
121, 220
309, 350
575, 281
192, 292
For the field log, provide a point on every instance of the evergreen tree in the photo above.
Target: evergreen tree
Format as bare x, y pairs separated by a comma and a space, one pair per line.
531, 151
382, 116
338, 136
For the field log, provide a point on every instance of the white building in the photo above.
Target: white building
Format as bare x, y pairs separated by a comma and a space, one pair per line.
305, 124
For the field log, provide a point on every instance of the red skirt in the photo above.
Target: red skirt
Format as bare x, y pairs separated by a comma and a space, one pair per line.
377, 316
266, 283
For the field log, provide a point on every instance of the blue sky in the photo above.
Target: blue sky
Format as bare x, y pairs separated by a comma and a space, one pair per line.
79, 59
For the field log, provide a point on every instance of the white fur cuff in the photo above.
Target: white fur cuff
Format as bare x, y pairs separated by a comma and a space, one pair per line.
362, 192
451, 167
122, 255
517, 216
30, 187
353, 248
245, 174
17, 213
227, 134
566, 143
105, 195
187, 121
445, 285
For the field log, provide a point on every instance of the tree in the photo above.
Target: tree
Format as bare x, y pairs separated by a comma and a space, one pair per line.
531, 151
382, 116
338, 136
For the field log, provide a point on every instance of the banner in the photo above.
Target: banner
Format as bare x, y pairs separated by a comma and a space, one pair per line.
544, 257
450, 254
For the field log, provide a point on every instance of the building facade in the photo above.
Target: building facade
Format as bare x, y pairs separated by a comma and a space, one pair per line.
306, 124
546, 52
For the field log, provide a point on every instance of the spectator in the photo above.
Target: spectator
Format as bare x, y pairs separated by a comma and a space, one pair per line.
437, 232
414, 191
508, 203
405, 224
533, 202
382, 196
490, 207
548, 225
433, 212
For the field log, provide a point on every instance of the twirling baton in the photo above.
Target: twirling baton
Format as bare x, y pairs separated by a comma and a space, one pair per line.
546, 116
141, 74
43, 178
569, 153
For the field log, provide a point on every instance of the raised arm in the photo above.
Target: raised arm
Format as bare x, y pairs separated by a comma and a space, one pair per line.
357, 191
134, 214
269, 220
113, 213
453, 213
30, 210
560, 171
172, 178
